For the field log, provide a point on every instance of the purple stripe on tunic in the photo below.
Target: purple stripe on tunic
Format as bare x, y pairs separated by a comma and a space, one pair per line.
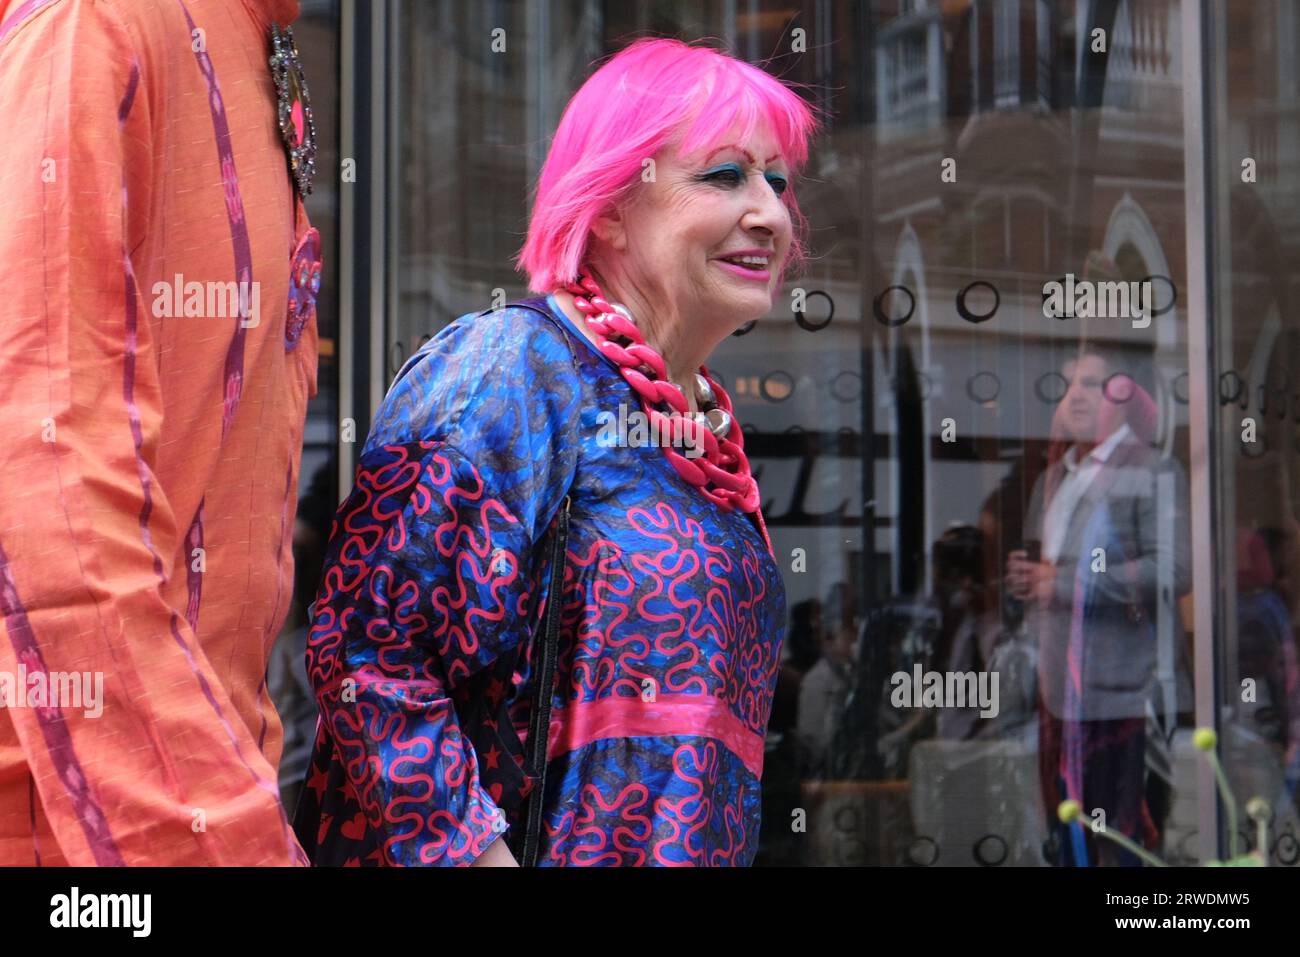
234, 368
137, 435
131, 341
58, 739
194, 577
233, 378
234, 372
128, 98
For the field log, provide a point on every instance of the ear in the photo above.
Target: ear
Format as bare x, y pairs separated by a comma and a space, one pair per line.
611, 229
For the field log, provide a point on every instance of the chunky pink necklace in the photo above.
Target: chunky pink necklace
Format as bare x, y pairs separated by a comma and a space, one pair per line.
722, 472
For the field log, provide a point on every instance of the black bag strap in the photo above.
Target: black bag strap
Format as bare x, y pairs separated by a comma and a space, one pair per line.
539, 724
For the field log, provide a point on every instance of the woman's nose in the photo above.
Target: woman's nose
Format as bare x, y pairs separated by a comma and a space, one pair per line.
766, 210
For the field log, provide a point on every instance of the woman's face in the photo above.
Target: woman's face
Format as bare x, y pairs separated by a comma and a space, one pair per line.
701, 210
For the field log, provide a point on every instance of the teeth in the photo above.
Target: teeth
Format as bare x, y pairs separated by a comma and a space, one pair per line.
748, 260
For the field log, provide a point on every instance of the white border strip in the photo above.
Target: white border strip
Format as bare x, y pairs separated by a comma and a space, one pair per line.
346, 451
1202, 422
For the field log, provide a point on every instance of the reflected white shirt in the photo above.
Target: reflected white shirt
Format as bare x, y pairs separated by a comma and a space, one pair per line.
1077, 478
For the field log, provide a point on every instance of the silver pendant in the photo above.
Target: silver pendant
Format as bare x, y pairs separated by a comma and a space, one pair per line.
704, 391
719, 421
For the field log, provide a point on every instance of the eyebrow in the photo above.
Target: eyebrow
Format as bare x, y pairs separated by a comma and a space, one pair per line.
748, 154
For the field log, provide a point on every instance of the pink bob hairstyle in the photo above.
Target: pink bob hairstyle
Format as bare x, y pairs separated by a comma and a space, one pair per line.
652, 93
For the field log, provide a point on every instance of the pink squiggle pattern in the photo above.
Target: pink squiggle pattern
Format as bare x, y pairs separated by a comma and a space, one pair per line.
742, 663
704, 641
614, 821
413, 775
701, 767
603, 831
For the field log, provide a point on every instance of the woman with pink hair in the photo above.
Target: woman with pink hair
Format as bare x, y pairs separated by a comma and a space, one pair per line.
549, 624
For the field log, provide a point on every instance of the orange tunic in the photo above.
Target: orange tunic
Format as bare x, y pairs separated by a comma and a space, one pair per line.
149, 463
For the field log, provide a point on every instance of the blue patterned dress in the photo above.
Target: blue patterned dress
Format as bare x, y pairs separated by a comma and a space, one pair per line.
672, 615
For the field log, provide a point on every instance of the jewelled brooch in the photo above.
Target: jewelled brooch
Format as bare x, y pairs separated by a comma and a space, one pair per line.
293, 107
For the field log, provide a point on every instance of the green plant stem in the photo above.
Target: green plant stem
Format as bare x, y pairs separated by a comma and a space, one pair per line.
1129, 845
1229, 805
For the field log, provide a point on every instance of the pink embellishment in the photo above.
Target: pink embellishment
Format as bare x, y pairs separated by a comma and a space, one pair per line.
304, 284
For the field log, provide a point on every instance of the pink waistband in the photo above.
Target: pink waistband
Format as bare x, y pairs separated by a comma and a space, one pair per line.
618, 716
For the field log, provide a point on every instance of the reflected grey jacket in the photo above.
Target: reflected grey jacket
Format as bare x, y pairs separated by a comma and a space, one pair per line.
1133, 645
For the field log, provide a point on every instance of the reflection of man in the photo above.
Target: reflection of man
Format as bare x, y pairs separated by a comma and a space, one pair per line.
826, 685
1110, 518
152, 436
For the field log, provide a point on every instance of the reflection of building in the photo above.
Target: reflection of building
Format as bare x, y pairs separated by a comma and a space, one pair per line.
1039, 183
